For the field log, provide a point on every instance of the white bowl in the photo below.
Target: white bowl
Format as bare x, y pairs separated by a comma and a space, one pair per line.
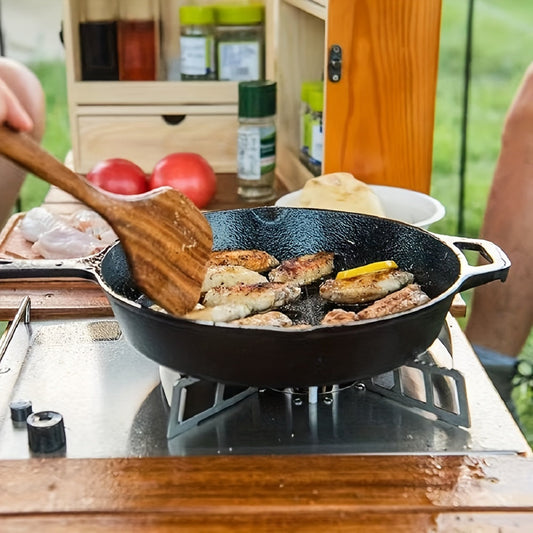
408, 206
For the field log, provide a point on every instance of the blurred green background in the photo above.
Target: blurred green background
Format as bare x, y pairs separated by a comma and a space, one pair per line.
502, 50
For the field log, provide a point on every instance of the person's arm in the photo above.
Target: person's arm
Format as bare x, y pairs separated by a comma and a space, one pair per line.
502, 313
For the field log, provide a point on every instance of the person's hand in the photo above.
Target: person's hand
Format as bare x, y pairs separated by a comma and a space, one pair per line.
11, 110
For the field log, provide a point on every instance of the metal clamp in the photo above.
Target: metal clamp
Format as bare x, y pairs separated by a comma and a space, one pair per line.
335, 63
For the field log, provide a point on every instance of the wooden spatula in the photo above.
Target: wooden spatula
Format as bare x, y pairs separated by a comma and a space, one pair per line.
166, 238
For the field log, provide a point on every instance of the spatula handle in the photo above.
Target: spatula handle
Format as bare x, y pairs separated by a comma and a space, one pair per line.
23, 150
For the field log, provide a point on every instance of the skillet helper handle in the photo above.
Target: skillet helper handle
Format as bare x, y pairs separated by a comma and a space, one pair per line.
496, 268
24, 151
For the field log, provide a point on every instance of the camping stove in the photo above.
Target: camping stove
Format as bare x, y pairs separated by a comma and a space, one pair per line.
114, 402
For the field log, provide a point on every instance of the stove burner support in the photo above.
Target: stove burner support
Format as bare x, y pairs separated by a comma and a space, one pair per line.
194, 400
444, 390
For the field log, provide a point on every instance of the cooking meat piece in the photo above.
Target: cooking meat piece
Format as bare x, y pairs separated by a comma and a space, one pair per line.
258, 297
303, 270
271, 318
219, 313
365, 288
337, 317
256, 260
407, 298
230, 275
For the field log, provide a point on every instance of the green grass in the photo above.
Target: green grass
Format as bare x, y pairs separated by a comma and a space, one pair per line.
502, 49
57, 133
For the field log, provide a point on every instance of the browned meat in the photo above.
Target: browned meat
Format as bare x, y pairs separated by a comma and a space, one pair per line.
271, 318
304, 269
256, 260
365, 288
407, 298
258, 297
337, 317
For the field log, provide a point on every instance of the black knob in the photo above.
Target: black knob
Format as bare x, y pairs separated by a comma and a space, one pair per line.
20, 410
46, 432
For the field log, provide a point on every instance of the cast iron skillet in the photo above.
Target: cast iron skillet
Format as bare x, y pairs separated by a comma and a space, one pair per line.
272, 357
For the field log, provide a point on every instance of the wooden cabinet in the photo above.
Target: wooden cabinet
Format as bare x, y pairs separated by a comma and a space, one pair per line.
146, 120
378, 117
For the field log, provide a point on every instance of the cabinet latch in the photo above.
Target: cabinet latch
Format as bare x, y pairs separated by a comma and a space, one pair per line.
335, 63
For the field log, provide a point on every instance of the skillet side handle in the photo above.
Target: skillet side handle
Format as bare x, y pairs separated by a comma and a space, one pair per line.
472, 276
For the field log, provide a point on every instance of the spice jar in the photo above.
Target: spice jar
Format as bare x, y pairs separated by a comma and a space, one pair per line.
316, 131
197, 43
138, 40
240, 39
256, 140
305, 118
98, 40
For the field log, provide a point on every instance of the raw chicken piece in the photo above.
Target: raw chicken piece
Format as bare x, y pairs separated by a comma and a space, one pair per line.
256, 260
271, 318
258, 297
365, 288
66, 242
230, 275
38, 221
407, 298
93, 224
303, 270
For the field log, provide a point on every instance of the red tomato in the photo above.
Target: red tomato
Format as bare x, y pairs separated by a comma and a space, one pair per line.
187, 172
119, 176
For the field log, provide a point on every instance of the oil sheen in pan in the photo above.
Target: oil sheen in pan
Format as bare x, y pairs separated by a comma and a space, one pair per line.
311, 308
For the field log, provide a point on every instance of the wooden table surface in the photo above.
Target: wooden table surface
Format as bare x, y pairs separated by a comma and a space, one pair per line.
262, 493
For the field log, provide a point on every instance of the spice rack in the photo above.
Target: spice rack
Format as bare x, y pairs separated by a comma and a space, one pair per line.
378, 118
146, 120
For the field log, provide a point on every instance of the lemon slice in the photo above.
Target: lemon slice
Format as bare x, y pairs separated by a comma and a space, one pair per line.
366, 269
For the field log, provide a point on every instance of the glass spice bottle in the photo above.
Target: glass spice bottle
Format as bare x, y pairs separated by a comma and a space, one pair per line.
256, 140
240, 38
98, 40
138, 40
197, 43
305, 118
316, 131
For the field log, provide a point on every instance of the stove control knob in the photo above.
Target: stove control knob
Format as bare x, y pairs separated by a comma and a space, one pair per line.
46, 432
20, 410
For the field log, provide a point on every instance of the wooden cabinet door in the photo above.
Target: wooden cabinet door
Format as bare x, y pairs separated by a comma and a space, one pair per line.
379, 117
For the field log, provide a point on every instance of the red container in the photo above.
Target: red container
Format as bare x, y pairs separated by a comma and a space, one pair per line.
137, 50
138, 40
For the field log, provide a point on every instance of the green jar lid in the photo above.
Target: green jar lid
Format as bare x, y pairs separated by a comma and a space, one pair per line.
257, 99
236, 15
316, 100
196, 15
307, 86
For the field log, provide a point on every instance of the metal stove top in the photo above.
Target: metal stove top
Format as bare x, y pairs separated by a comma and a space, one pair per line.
113, 405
